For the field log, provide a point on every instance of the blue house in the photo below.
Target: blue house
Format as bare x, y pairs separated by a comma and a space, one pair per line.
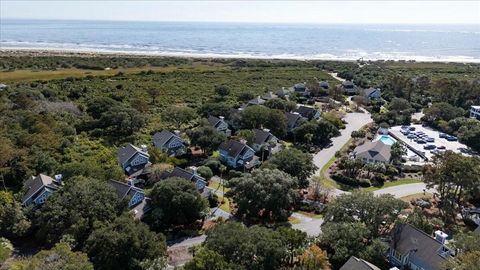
129, 192
39, 188
220, 124
200, 182
237, 155
411, 248
372, 93
169, 142
133, 159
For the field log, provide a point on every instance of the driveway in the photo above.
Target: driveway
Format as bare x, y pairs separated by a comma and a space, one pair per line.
354, 122
307, 224
403, 190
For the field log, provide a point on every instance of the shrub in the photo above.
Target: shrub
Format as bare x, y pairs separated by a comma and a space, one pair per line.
205, 172
351, 181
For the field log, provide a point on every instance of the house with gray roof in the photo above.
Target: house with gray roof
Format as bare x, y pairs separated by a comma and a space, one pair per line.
294, 120
256, 101
170, 143
324, 84
237, 154
308, 113
133, 159
220, 124
411, 248
265, 142
39, 188
372, 93
355, 263
349, 88
283, 93
128, 192
373, 152
269, 96
200, 182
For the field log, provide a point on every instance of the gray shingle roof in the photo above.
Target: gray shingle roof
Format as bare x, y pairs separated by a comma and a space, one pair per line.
34, 184
256, 101
262, 136
408, 239
233, 148
126, 152
375, 150
306, 112
214, 121
348, 84
369, 91
122, 189
355, 263
163, 137
292, 118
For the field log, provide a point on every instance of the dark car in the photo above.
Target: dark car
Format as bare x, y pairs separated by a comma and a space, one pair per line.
442, 135
429, 147
421, 141
451, 138
411, 128
441, 147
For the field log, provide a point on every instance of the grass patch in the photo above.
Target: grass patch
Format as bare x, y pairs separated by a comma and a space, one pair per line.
398, 182
293, 220
217, 186
311, 215
226, 205
417, 196
327, 181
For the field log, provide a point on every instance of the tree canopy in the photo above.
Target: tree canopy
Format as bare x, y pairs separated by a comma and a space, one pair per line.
294, 162
264, 195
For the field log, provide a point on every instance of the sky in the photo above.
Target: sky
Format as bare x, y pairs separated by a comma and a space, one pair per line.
367, 12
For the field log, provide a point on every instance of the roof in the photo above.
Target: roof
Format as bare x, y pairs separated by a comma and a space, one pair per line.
323, 84
123, 189
34, 184
233, 148
299, 86
292, 118
307, 112
269, 95
126, 152
179, 172
262, 136
214, 121
370, 90
408, 239
140, 209
355, 263
348, 83
476, 107
375, 150
256, 101
283, 92
163, 137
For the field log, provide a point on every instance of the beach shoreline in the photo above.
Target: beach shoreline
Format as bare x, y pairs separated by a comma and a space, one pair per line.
36, 52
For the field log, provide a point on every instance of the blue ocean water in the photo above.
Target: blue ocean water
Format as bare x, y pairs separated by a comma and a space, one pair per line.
289, 41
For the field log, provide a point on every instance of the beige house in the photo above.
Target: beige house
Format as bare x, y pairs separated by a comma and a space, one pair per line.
373, 152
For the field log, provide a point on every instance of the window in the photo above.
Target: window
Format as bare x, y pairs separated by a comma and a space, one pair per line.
397, 255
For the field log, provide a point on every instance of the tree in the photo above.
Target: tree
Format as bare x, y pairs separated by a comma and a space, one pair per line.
351, 166
314, 258
456, 178
294, 240
246, 134
153, 93
465, 261
398, 150
467, 242
441, 111
120, 121
280, 104
176, 201
205, 172
372, 211
124, 244
6, 249
59, 257
206, 259
399, 104
419, 220
252, 248
343, 240
315, 132
75, 208
179, 116
206, 137
469, 135
265, 195
215, 109
222, 90
13, 221
296, 163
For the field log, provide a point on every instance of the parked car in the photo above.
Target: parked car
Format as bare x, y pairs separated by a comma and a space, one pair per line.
441, 147
429, 147
404, 127
451, 138
411, 136
420, 141
430, 139
411, 128
442, 135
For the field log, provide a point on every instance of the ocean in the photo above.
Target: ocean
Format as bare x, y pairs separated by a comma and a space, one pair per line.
456, 43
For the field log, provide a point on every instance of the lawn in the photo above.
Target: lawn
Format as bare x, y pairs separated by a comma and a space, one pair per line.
217, 186
226, 205
398, 182
327, 181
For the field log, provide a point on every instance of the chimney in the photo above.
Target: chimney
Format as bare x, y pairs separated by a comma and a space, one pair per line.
221, 118
177, 132
243, 141
266, 130
441, 237
58, 178
193, 169
144, 148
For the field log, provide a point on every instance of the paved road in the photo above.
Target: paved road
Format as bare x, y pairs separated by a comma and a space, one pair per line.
189, 242
354, 122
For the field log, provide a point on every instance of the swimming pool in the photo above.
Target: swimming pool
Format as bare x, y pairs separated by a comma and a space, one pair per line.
386, 139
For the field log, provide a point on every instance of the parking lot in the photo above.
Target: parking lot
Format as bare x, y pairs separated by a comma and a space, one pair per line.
454, 146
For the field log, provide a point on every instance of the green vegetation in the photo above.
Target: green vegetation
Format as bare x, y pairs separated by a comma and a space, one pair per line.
398, 182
